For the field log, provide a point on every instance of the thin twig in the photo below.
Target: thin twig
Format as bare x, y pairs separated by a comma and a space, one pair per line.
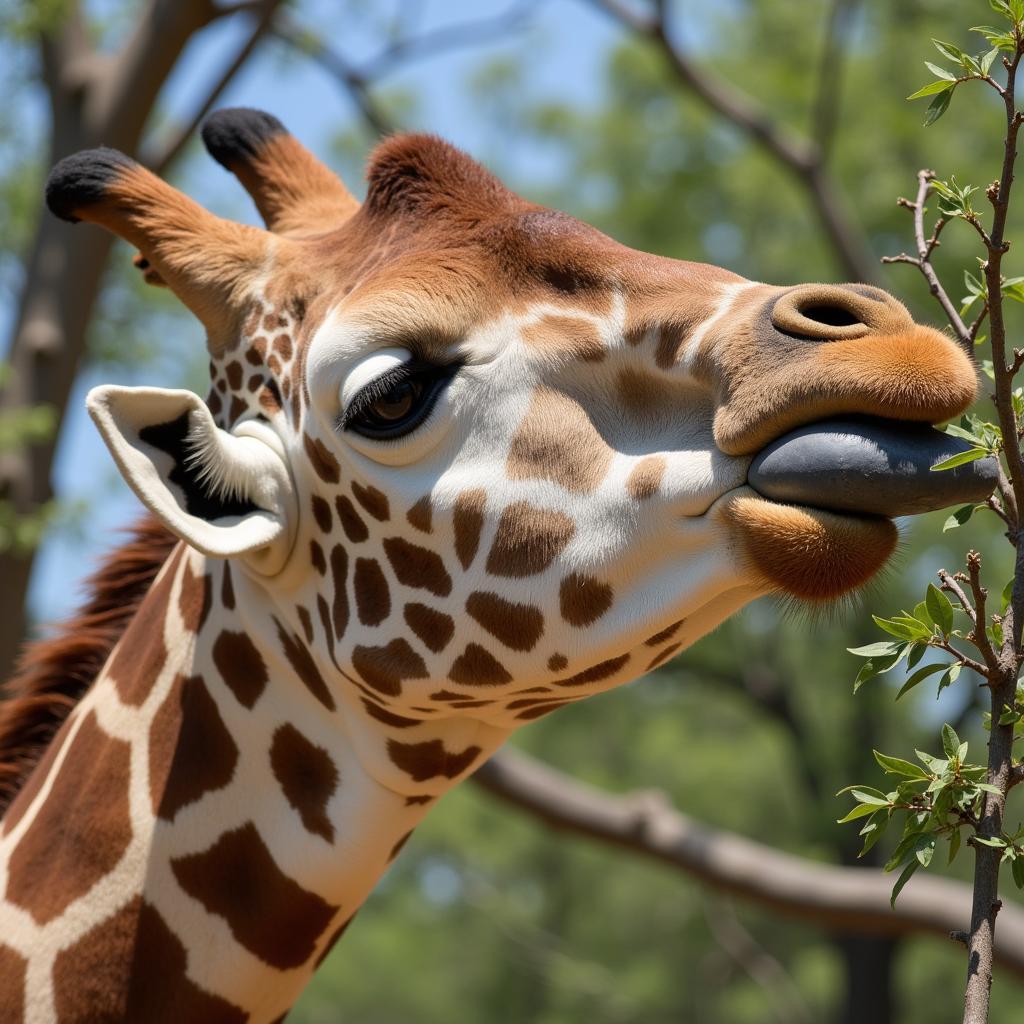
264, 10
925, 247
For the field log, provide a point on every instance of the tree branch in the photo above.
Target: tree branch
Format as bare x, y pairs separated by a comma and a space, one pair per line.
158, 159
801, 157
835, 898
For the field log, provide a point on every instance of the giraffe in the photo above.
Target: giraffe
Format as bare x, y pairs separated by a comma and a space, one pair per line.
463, 461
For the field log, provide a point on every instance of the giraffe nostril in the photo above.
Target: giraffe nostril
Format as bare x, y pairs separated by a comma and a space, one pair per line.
833, 316
824, 313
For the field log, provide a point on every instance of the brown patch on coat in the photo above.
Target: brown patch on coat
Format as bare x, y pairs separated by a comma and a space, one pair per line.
594, 674
234, 374
12, 984
80, 831
567, 335
373, 598
386, 668
355, 529
322, 460
468, 521
141, 654
322, 513
434, 628
339, 606
663, 656
528, 540
241, 666
227, 589
397, 848
541, 710
420, 516
557, 441
557, 662
305, 667
306, 621
375, 502
476, 666
270, 398
645, 477
418, 567
268, 913
388, 717
195, 597
429, 760
582, 600
132, 967
283, 346
666, 634
518, 626
191, 752
308, 778
316, 558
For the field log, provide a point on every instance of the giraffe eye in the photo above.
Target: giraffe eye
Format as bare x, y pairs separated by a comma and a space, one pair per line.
398, 401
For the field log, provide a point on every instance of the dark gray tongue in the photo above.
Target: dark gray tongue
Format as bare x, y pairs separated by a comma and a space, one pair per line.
875, 467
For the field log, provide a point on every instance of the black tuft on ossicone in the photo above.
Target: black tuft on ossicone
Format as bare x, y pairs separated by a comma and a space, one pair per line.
238, 133
82, 179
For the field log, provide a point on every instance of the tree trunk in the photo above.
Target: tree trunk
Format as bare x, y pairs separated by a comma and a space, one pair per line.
869, 965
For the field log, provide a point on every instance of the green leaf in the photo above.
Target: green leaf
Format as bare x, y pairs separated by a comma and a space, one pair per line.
1006, 597
902, 881
954, 845
946, 76
903, 627
988, 59
942, 85
920, 675
925, 851
880, 649
873, 831
959, 517
858, 811
995, 842
936, 765
869, 797
940, 609
960, 459
950, 740
1017, 871
937, 107
949, 51
897, 766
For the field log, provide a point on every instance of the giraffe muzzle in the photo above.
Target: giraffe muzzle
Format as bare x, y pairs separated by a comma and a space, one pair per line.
869, 466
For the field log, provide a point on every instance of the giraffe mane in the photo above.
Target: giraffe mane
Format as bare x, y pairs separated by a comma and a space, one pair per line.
54, 673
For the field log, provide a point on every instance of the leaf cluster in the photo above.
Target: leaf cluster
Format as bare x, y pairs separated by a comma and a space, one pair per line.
934, 799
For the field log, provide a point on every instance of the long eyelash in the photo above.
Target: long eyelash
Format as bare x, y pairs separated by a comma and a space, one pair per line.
377, 389
374, 391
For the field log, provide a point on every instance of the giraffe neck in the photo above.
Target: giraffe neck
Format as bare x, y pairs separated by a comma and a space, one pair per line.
202, 828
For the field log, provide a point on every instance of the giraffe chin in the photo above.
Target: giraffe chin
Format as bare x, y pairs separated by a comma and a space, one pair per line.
808, 553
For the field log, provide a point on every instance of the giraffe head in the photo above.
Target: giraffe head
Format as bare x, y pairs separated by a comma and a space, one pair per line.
496, 459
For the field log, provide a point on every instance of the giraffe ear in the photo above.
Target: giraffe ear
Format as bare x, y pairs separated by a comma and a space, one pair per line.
226, 494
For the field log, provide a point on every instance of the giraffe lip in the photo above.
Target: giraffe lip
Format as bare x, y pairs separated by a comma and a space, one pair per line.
869, 466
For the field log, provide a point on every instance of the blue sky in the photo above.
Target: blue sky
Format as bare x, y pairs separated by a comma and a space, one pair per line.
564, 46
